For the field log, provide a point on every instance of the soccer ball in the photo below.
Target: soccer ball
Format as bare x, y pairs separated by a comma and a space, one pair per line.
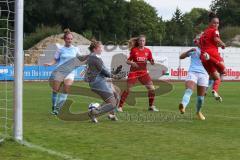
93, 106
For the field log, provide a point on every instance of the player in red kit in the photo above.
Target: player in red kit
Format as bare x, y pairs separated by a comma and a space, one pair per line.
139, 56
210, 57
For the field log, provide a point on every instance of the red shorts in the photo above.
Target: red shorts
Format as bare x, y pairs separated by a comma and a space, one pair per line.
215, 55
212, 66
142, 76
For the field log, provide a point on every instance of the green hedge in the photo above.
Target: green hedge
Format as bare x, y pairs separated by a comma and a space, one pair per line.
229, 32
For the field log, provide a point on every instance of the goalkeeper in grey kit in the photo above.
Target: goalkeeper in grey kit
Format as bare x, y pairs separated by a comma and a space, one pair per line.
96, 75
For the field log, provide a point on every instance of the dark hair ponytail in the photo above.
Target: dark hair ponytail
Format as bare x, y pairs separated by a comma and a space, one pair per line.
94, 44
211, 16
66, 32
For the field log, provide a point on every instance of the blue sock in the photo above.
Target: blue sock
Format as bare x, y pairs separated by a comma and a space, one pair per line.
54, 99
200, 101
186, 97
62, 99
210, 84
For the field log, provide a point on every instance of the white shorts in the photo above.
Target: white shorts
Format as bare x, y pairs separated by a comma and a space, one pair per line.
70, 76
199, 78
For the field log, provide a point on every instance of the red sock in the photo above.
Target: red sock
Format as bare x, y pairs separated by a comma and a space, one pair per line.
123, 98
216, 84
151, 96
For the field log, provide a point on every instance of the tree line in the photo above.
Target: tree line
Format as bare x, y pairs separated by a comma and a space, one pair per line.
118, 20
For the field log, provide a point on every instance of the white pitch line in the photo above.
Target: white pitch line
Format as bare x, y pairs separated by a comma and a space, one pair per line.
210, 115
1, 140
230, 117
49, 151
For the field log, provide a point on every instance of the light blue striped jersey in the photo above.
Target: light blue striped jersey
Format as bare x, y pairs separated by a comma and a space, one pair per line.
196, 64
64, 54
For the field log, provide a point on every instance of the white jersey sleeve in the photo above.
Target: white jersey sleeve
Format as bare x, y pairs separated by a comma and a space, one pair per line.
57, 55
77, 51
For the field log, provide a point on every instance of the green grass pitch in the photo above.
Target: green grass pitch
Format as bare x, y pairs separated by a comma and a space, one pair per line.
216, 138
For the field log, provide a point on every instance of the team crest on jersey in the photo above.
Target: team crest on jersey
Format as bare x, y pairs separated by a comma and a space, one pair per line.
141, 59
217, 32
146, 54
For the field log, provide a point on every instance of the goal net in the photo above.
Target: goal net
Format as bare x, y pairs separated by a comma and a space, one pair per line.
6, 62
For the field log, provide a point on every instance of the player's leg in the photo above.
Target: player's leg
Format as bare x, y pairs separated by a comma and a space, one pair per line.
64, 93
210, 84
124, 96
213, 73
146, 80
190, 84
116, 92
105, 91
216, 60
114, 100
110, 103
221, 68
151, 96
132, 78
201, 90
55, 89
217, 82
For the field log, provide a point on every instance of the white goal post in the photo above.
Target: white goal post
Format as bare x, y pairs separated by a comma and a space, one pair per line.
18, 71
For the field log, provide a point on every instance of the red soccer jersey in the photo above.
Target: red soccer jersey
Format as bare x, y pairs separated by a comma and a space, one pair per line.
207, 42
140, 56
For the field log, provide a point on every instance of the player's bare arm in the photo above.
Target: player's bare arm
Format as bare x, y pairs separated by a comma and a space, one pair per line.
186, 54
50, 63
133, 64
220, 42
